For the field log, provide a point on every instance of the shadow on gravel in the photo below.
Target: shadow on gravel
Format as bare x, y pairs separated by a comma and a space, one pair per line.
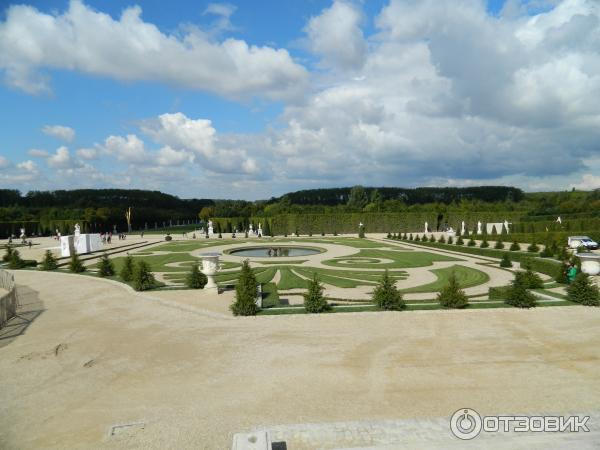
30, 308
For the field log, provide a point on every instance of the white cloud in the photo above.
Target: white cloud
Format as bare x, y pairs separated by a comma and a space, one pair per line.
61, 132
588, 182
335, 35
89, 41
4, 163
37, 153
88, 153
28, 166
62, 160
129, 149
168, 156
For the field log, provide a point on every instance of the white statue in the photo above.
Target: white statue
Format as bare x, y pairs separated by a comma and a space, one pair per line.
22, 236
210, 228
260, 229
251, 229
559, 220
77, 229
506, 225
479, 227
426, 227
462, 228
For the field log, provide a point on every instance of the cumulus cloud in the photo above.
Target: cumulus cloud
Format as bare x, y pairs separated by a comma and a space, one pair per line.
61, 132
335, 35
62, 159
87, 153
588, 182
130, 149
28, 166
4, 162
92, 42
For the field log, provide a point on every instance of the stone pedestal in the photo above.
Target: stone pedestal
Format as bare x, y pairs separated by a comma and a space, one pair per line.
210, 267
590, 263
80, 244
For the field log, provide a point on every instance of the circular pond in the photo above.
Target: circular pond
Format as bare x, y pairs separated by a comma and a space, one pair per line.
274, 251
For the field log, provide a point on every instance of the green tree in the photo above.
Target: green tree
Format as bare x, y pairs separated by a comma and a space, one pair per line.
471, 243
582, 291
8, 254
518, 295
15, 261
484, 243
105, 266
531, 279
533, 248
245, 293
361, 231
499, 244
452, 296
75, 264
505, 261
357, 199
49, 262
143, 278
126, 273
195, 279
460, 241
314, 301
386, 295
515, 247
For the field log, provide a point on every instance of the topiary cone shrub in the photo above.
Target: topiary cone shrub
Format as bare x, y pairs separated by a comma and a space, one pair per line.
518, 295
460, 241
452, 296
533, 248
245, 293
450, 240
515, 247
499, 245
386, 296
49, 262
8, 254
143, 278
314, 301
505, 261
126, 273
471, 243
195, 279
75, 265
582, 291
484, 243
105, 267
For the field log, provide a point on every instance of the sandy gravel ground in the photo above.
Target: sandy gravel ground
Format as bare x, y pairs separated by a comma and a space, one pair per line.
99, 355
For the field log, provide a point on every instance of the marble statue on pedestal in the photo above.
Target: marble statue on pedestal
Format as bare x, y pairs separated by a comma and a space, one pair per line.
479, 227
462, 228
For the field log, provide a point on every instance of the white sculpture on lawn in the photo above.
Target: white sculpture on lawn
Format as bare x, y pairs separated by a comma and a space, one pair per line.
210, 228
559, 220
426, 227
251, 228
479, 227
260, 232
77, 229
506, 224
22, 235
462, 228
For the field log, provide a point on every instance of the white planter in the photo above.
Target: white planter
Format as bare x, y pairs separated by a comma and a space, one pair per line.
210, 267
590, 263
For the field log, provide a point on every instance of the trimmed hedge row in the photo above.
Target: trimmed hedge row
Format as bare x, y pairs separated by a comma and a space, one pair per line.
44, 227
571, 226
546, 266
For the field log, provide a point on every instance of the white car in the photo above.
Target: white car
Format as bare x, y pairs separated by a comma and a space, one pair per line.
577, 241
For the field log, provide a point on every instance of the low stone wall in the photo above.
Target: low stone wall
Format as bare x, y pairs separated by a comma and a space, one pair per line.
8, 298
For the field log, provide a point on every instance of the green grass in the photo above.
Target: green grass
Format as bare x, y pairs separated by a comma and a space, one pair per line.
289, 280
466, 277
158, 262
188, 245
280, 262
400, 259
270, 295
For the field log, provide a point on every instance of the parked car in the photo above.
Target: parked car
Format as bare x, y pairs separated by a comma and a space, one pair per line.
578, 241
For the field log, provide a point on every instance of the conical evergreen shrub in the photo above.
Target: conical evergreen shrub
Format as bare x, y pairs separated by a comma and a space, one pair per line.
581, 290
452, 296
245, 293
49, 262
106, 267
518, 295
499, 245
314, 301
195, 279
505, 261
75, 265
143, 278
126, 272
386, 296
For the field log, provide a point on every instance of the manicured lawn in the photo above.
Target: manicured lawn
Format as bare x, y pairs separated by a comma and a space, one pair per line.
189, 245
158, 262
466, 277
400, 259
289, 280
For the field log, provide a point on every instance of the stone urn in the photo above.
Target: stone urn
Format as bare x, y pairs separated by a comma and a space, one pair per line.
590, 263
210, 267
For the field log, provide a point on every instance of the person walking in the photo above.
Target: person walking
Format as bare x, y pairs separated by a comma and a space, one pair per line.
571, 273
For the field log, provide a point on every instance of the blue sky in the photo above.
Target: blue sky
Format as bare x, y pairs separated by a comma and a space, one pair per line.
254, 99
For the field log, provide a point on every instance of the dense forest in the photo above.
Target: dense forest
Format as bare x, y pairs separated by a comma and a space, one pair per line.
102, 209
